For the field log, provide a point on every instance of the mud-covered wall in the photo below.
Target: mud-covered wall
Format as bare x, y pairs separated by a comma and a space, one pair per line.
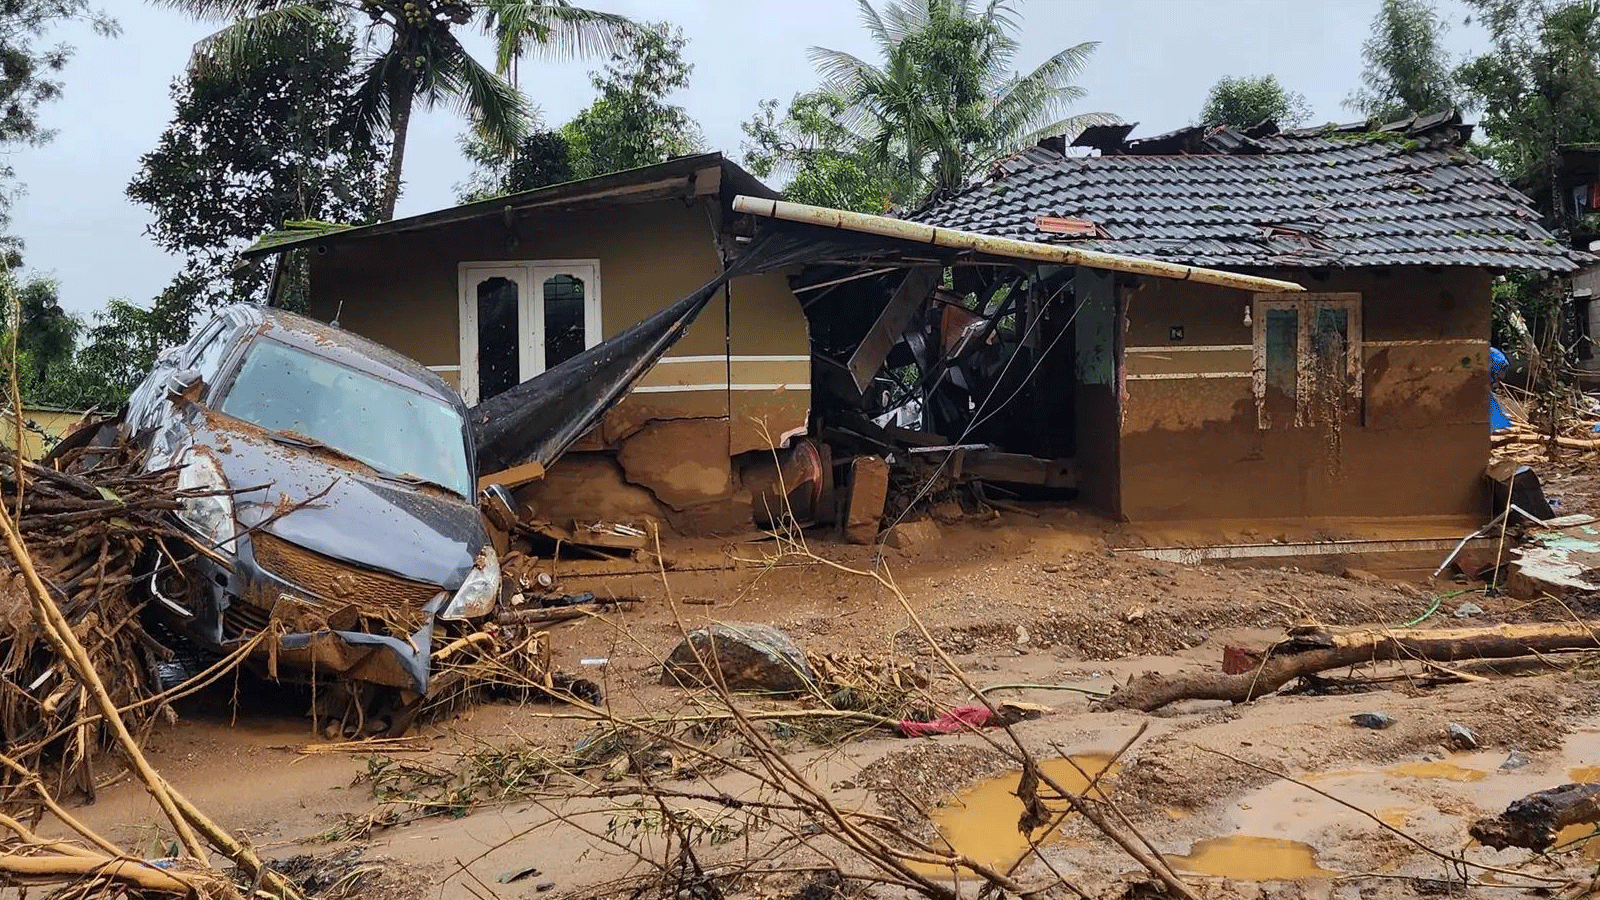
1193, 445
733, 384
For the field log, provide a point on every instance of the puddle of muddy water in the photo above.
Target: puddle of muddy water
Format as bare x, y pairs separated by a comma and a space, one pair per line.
981, 823
1438, 768
1248, 858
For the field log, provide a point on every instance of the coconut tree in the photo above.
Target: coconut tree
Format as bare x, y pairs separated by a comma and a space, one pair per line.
945, 100
414, 54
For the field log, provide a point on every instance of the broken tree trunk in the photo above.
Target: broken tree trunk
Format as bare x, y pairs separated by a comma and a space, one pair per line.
1535, 820
1307, 650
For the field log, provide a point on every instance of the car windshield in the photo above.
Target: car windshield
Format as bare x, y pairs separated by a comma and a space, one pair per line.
398, 432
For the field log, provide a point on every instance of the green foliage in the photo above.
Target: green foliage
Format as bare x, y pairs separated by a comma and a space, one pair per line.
1251, 100
1405, 68
942, 103
1538, 86
630, 124
61, 361
270, 142
423, 60
821, 160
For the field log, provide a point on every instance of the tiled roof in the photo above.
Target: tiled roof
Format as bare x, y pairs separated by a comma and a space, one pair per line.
1340, 196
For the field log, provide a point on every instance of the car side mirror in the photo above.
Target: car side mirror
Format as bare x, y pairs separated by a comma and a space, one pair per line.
183, 383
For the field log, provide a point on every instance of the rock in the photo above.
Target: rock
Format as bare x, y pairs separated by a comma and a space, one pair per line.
755, 658
1515, 760
1374, 720
1469, 610
915, 537
1461, 737
544, 886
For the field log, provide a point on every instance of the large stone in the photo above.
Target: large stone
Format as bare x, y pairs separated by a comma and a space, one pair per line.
751, 658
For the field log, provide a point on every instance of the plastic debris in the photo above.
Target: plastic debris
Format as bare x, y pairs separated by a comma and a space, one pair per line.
1469, 610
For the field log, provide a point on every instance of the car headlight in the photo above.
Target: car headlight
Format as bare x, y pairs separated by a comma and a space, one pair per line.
210, 515
477, 595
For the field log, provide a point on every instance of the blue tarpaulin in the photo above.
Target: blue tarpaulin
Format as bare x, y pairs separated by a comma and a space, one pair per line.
1498, 420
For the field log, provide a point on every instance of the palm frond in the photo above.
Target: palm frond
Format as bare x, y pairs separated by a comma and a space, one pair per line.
499, 113
373, 98
223, 10
1026, 103
236, 46
551, 29
874, 24
843, 73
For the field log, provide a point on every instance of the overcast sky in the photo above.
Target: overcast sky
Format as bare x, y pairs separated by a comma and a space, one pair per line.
1155, 61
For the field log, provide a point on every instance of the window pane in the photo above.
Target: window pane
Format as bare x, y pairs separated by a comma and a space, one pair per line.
563, 319
498, 359
1283, 350
1330, 339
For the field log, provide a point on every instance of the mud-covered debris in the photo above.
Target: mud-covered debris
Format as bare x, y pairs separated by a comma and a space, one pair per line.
1469, 610
517, 874
1461, 737
1374, 720
1516, 759
742, 657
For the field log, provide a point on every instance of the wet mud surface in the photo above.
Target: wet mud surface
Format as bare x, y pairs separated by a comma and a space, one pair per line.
1215, 788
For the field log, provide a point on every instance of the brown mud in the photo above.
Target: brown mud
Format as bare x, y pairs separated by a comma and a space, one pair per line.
1016, 601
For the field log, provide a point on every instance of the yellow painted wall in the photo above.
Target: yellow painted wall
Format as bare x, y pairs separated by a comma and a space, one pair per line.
54, 422
403, 291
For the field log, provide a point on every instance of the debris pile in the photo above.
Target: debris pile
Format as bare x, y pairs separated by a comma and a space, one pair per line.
86, 533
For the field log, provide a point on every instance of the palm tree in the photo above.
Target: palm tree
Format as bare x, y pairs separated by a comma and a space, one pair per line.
945, 101
416, 55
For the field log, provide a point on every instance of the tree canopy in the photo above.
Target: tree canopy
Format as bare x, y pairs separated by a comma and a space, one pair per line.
254, 146
1405, 69
630, 124
423, 60
1251, 100
1538, 86
941, 103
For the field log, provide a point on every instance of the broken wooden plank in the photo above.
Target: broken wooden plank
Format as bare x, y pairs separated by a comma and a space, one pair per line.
1017, 468
1311, 649
514, 477
1534, 821
869, 490
891, 324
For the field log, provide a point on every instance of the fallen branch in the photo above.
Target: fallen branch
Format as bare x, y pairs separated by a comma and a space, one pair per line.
1311, 649
1535, 820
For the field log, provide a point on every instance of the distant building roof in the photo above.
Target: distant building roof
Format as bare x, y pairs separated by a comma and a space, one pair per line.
1352, 195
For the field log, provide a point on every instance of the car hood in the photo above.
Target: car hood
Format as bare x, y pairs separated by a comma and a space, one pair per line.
330, 505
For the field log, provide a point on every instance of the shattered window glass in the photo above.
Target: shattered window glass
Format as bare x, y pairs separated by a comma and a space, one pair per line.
1282, 334
499, 363
564, 327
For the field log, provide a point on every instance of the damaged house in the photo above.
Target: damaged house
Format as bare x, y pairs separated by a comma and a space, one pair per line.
494, 293
1365, 394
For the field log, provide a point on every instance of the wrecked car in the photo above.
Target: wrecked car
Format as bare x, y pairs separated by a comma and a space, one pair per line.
330, 488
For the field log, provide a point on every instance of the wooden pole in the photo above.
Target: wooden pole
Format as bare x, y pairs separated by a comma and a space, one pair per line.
1011, 248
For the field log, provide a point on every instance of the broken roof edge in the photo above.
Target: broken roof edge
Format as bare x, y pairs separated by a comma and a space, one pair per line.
279, 240
1010, 248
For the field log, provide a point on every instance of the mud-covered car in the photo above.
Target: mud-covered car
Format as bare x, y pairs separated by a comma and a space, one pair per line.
331, 482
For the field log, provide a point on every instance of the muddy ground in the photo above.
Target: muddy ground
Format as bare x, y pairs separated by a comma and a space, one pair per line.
1016, 599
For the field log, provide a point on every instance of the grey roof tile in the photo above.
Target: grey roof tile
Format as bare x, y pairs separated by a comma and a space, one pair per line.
1355, 197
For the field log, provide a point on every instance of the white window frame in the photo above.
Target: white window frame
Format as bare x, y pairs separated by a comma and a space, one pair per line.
529, 277
1305, 305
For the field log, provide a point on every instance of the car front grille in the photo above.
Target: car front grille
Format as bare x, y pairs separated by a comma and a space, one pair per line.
372, 593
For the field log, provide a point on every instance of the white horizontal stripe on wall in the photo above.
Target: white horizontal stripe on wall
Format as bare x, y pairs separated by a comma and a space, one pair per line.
675, 388
1190, 348
665, 360
1168, 376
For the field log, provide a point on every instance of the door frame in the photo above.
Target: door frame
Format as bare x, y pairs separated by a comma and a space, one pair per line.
529, 276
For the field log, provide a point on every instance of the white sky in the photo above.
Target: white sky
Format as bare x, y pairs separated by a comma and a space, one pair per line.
1155, 62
